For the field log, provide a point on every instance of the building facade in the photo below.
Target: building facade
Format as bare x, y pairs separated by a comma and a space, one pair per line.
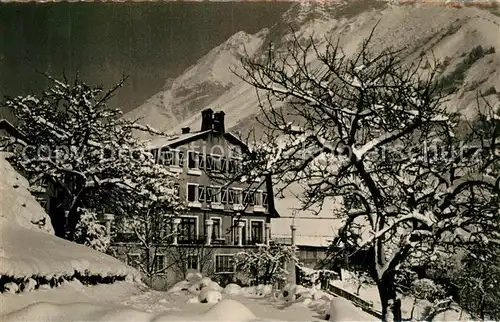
225, 215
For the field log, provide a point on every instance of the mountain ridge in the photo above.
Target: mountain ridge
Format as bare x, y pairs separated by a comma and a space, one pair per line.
447, 32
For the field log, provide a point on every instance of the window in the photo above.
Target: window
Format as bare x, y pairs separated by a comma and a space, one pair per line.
192, 262
177, 189
224, 264
201, 193
234, 165
172, 158
264, 199
216, 163
187, 230
160, 261
133, 260
257, 231
216, 229
237, 196
192, 192
193, 159
223, 164
230, 196
248, 198
258, 198
243, 231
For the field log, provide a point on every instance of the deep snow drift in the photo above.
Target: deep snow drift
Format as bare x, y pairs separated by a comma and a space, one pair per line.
28, 247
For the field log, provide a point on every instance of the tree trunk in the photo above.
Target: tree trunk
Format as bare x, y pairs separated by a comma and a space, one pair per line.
391, 306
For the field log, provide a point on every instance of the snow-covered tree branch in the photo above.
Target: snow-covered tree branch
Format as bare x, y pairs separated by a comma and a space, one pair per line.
88, 154
375, 132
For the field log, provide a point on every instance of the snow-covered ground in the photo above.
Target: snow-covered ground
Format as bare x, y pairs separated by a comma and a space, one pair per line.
28, 247
125, 301
369, 293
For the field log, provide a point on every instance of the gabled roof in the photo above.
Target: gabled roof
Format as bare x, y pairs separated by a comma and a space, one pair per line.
175, 141
11, 130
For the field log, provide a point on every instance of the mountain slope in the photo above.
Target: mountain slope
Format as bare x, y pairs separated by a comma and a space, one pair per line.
447, 32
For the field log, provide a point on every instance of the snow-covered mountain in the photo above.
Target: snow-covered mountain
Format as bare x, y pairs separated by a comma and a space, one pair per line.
447, 31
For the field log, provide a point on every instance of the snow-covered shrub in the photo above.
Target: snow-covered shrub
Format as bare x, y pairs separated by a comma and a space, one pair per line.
90, 232
427, 289
11, 287
267, 264
193, 276
316, 277
28, 285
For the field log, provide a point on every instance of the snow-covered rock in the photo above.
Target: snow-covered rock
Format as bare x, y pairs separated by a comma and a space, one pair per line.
180, 286
11, 288
232, 289
209, 296
264, 290
28, 285
288, 293
193, 277
194, 289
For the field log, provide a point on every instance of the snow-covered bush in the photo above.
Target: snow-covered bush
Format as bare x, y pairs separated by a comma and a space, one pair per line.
316, 277
427, 289
267, 263
90, 232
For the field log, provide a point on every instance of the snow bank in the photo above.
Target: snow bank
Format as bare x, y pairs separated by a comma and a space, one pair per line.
17, 204
26, 253
27, 246
227, 310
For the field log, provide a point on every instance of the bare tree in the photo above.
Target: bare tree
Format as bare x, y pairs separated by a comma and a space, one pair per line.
185, 258
372, 133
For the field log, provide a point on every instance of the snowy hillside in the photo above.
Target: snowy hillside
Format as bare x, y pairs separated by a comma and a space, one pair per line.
28, 248
448, 32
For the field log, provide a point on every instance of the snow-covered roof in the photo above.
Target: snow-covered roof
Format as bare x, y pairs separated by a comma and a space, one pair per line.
27, 244
163, 141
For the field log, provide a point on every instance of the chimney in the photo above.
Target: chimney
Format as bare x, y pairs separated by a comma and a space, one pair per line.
186, 130
207, 119
219, 122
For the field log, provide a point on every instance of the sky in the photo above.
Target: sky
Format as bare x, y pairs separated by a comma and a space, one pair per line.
149, 42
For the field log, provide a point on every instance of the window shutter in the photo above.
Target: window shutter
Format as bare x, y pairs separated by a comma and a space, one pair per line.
224, 196
201, 162
201, 193
223, 164
208, 194
181, 158
209, 164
